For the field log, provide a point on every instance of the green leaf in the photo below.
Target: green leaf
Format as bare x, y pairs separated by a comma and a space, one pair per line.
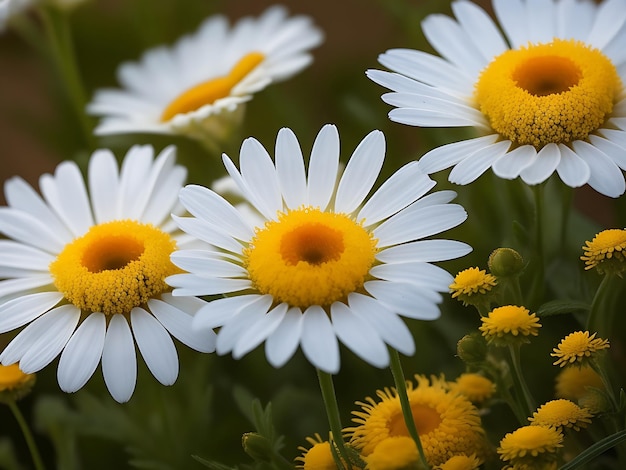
595, 450
559, 307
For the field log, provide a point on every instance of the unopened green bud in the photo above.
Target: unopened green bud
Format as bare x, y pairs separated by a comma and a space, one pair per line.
505, 262
472, 348
257, 447
595, 400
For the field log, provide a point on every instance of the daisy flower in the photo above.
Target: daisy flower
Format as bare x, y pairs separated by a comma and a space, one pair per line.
561, 414
605, 252
547, 95
509, 324
324, 263
447, 423
198, 86
578, 348
85, 271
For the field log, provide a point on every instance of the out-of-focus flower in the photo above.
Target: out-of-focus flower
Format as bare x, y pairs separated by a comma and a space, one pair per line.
14, 383
394, 453
447, 423
461, 462
318, 456
509, 324
560, 414
198, 87
605, 252
325, 264
477, 388
548, 95
573, 383
85, 271
10, 8
578, 349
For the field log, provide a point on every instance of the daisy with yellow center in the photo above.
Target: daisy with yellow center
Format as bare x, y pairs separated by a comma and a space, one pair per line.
578, 348
321, 263
534, 446
447, 423
605, 252
561, 414
547, 93
477, 388
509, 324
199, 86
461, 462
573, 383
84, 270
472, 286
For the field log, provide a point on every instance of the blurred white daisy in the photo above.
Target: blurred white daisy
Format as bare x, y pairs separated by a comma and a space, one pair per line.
10, 8
325, 262
85, 270
198, 86
547, 96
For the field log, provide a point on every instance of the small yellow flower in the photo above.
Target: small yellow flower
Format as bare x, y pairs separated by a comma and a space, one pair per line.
477, 388
393, 453
605, 252
529, 442
14, 383
561, 414
573, 383
578, 348
318, 457
448, 424
472, 286
509, 324
461, 462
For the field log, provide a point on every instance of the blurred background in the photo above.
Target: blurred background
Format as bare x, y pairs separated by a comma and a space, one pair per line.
205, 412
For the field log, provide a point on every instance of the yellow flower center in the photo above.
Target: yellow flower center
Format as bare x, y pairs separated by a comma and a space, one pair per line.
309, 257
114, 267
11, 377
472, 281
212, 90
426, 419
548, 93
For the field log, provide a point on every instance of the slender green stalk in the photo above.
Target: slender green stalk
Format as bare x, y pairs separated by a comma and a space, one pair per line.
518, 379
601, 313
538, 251
400, 382
28, 436
332, 411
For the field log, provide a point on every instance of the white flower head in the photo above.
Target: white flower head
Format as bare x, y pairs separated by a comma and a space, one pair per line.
548, 95
198, 86
83, 269
325, 262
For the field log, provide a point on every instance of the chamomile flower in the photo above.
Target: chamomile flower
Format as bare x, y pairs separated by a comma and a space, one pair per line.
473, 286
578, 348
509, 324
605, 252
534, 446
84, 271
546, 96
561, 414
574, 383
198, 86
325, 264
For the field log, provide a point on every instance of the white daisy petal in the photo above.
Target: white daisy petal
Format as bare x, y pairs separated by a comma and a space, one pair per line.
360, 337
190, 284
23, 256
318, 340
247, 317
480, 29
420, 274
203, 263
290, 169
511, 15
283, 342
211, 234
610, 18
119, 362
23, 310
424, 251
614, 145
448, 155
475, 165
572, 169
103, 185
543, 166
25, 228
261, 330
360, 173
218, 312
389, 326
323, 167
42, 340
156, 346
512, 163
405, 299
82, 353
605, 175
22, 286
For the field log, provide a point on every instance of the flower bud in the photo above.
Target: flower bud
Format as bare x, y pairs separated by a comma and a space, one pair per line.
505, 262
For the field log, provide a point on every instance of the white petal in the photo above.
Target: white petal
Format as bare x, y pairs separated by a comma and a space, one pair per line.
358, 335
572, 169
512, 163
23, 310
541, 20
134, 174
179, 324
406, 299
22, 256
23, 286
405, 186
614, 148
318, 340
283, 342
27, 229
259, 175
543, 166
208, 232
477, 163
606, 177
410, 225
82, 353
424, 250
40, 342
203, 263
449, 155
420, 274
388, 325
255, 335
323, 167
290, 168
190, 284
480, 29
243, 320
511, 16
218, 312
119, 362
156, 346
103, 185
610, 18
360, 173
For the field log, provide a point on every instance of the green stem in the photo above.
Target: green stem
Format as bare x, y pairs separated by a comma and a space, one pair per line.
57, 29
28, 436
538, 251
332, 411
600, 314
566, 210
407, 412
518, 379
